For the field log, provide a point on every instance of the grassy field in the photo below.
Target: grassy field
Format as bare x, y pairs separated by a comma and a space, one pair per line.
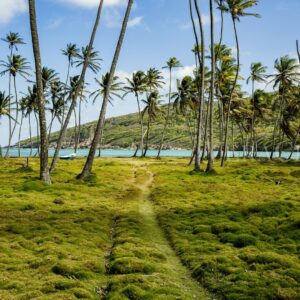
148, 229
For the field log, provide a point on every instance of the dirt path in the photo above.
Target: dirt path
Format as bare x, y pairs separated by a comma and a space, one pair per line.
157, 237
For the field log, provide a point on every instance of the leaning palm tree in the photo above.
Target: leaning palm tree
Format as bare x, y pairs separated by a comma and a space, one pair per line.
44, 170
257, 75
100, 125
71, 52
137, 85
115, 90
286, 75
77, 92
151, 109
172, 63
15, 65
92, 57
237, 9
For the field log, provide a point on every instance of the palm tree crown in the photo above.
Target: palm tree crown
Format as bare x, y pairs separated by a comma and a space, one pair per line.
93, 62
71, 52
14, 65
13, 39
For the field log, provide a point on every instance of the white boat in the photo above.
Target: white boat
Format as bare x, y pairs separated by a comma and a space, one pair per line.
69, 156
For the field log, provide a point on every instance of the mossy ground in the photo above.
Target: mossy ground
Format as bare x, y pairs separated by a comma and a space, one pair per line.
237, 230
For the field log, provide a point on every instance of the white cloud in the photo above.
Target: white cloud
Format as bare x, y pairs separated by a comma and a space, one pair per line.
93, 3
135, 21
11, 8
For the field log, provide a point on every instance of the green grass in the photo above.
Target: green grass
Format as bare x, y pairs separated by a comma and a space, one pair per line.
138, 229
237, 229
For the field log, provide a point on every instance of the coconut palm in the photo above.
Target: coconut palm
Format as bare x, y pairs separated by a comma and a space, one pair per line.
137, 85
172, 64
100, 125
4, 105
71, 52
57, 103
14, 66
151, 109
13, 39
44, 170
200, 80
154, 79
115, 90
237, 9
210, 157
286, 75
93, 59
257, 75
77, 92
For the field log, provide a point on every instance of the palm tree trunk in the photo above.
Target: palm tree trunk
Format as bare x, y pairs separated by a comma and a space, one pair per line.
44, 170
30, 134
9, 119
206, 117
147, 136
77, 91
19, 138
37, 134
295, 142
50, 127
210, 163
79, 125
252, 123
98, 133
141, 126
65, 94
75, 131
231, 93
17, 108
168, 115
201, 85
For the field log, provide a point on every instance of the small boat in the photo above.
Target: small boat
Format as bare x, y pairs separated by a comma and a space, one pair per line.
69, 156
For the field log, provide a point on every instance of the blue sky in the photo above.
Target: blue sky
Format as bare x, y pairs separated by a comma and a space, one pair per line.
158, 30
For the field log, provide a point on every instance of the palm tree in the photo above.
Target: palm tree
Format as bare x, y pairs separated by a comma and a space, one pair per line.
210, 163
257, 75
13, 39
151, 109
154, 79
15, 65
93, 59
237, 9
115, 89
137, 85
286, 75
44, 170
172, 63
30, 102
100, 125
200, 81
4, 105
85, 66
71, 52
57, 103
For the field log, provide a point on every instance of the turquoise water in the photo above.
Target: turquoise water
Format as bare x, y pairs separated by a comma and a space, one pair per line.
129, 153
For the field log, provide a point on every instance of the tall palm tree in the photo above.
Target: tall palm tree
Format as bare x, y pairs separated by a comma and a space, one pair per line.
57, 103
15, 65
22, 107
286, 75
172, 63
115, 90
200, 80
237, 9
137, 85
257, 75
85, 66
44, 170
14, 40
151, 109
71, 52
210, 163
100, 125
92, 57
